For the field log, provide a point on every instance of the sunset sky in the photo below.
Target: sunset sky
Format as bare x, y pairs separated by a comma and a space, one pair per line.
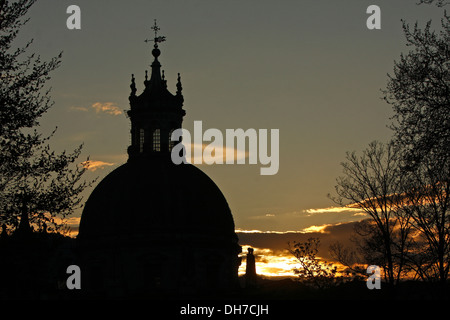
309, 68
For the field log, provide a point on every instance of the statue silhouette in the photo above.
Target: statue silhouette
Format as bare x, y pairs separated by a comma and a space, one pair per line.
250, 269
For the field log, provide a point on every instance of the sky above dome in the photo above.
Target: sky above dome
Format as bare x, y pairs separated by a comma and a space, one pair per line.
311, 69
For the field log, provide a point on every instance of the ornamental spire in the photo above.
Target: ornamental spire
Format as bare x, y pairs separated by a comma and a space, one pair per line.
133, 85
156, 39
179, 87
156, 112
155, 79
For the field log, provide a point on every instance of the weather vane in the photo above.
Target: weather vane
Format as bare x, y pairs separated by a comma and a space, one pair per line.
156, 39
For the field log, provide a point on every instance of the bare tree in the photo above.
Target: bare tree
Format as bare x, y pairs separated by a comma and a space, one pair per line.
350, 258
373, 183
369, 249
427, 202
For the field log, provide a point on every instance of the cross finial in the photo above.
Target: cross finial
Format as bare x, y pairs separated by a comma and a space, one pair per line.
156, 29
156, 39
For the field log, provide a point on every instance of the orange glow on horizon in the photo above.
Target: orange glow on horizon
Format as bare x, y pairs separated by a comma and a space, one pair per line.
269, 263
276, 264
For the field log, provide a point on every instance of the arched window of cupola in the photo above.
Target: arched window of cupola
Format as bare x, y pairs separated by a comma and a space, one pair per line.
141, 140
157, 140
171, 143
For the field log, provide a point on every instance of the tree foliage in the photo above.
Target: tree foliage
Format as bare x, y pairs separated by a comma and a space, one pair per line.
312, 270
419, 92
439, 3
37, 185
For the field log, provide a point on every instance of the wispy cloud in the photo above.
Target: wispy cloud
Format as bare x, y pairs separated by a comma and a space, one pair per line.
107, 107
92, 165
78, 108
238, 230
310, 229
100, 107
317, 229
356, 211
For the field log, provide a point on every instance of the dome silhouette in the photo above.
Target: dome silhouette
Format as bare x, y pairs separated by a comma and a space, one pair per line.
153, 197
152, 227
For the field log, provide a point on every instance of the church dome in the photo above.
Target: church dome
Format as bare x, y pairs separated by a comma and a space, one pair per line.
152, 226
154, 198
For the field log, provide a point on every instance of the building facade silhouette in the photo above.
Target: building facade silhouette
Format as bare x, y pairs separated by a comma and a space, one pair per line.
151, 227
